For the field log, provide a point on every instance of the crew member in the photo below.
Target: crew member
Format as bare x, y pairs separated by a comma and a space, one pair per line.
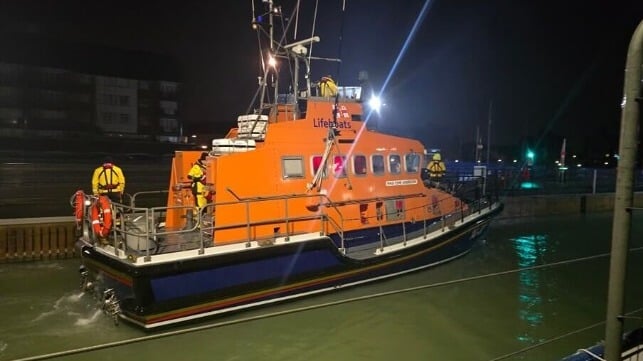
327, 86
436, 169
197, 176
109, 180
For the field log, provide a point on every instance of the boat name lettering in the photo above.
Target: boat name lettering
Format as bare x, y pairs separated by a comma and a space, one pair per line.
401, 182
328, 123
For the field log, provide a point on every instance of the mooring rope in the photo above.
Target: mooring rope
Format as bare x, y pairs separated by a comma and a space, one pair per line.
559, 337
328, 304
548, 341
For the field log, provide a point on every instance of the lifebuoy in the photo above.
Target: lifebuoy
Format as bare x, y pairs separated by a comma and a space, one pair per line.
79, 207
102, 207
457, 204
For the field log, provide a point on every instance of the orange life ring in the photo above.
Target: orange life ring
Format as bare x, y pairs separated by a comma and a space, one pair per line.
102, 207
79, 207
457, 204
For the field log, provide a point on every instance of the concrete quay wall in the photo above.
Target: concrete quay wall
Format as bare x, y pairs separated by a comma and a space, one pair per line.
541, 205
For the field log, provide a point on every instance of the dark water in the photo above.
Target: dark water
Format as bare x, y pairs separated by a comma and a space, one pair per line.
453, 314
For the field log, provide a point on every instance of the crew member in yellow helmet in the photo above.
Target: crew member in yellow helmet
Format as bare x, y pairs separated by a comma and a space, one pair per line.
197, 176
327, 86
436, 169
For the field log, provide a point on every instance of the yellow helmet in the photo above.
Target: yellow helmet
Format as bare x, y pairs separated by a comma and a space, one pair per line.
436, 156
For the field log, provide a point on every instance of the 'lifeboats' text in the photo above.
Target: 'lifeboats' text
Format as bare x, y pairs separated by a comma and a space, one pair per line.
324, 123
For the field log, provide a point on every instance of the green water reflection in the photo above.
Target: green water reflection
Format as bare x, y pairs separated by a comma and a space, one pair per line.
530, 250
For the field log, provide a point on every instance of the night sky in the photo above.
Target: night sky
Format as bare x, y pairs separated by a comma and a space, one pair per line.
551, 69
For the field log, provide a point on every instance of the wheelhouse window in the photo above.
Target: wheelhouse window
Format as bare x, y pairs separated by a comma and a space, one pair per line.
378, 164
412, 162
317, 160
395, 167
292, 167
359, 164
339, 166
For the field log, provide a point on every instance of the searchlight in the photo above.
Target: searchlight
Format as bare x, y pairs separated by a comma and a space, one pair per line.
272, 61
375, 103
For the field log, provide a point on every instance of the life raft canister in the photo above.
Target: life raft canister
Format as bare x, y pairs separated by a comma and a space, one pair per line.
79, 207
102, 209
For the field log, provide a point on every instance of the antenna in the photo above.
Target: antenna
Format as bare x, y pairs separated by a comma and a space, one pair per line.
314, 39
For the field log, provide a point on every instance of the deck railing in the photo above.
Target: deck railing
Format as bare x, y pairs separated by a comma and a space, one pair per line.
139, 231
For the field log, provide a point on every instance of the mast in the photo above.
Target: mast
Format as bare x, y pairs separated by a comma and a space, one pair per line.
299, 52
266, 67
296, 52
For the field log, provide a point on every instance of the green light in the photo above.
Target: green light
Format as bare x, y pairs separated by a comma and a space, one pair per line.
530, 154
529, 185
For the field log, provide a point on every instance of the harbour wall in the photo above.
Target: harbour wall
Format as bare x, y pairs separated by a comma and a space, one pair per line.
50, 238
37, 239
540, 205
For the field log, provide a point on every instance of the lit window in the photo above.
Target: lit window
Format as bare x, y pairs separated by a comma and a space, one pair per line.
359, 164
316, 164
339, 168
293, 167
412, 161
378, 164
394, 164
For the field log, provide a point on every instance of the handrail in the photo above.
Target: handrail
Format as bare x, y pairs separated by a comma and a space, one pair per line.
285, 197
148, 231
133, 197
339, 231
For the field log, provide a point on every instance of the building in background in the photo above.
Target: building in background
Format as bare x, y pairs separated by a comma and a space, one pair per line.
45, 99
56, 90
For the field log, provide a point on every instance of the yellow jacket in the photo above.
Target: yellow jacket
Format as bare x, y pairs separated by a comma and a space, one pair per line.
436, 168
108, 178
197, 176
196, 173
327, 87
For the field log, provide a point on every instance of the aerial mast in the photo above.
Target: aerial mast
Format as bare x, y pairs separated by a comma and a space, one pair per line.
271, 58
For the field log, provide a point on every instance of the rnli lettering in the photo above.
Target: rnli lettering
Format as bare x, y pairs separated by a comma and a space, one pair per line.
327, 123
401, 182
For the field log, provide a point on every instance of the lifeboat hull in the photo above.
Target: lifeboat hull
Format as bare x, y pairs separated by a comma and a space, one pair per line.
168, 293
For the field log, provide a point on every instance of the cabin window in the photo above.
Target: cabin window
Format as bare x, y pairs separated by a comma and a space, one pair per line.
339, 166
359, 164
317, 160
292, 167
378, 164
412, 161
395, 167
